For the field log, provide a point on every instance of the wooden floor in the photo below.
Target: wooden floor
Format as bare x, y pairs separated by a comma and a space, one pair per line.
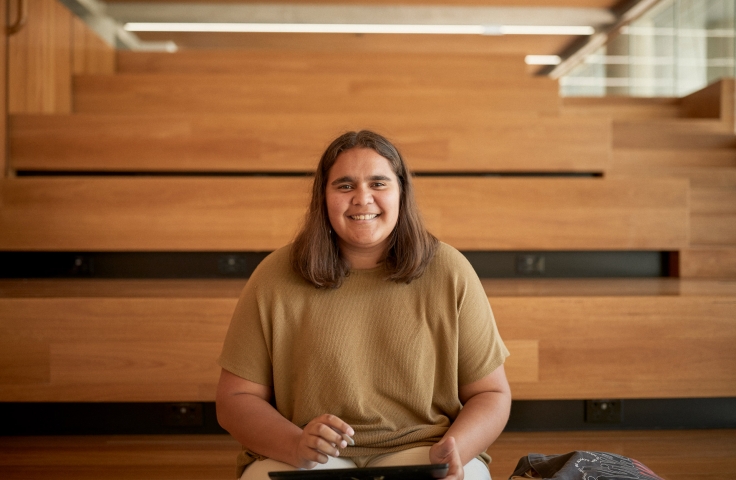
674, 455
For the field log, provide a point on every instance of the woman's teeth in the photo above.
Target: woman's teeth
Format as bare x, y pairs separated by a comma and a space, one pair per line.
364, 217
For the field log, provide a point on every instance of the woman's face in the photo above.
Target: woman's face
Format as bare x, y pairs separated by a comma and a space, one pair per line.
363, 198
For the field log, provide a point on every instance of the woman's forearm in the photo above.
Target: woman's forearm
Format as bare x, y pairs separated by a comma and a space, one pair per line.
259, 427
479, 423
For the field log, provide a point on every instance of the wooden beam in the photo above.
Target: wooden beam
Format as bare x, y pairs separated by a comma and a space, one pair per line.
262, 214
564, 345
90, 54
435, 142
455, 66
717, 100
39, 70
708, 262
3, 89
269, 93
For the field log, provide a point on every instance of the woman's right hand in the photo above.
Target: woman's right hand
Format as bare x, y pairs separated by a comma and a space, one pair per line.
321, 439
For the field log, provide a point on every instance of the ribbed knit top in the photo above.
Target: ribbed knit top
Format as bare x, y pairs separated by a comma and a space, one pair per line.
385, 357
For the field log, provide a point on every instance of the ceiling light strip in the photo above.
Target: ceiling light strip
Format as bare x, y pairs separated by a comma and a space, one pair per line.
358, 28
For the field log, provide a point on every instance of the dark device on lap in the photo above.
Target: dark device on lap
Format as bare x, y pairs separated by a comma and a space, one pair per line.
409, 472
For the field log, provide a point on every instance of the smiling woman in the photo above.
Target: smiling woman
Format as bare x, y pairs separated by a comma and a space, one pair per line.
366, 339
362, 167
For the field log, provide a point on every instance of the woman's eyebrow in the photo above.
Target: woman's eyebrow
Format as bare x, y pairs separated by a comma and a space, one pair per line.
349, 179
344, 179
380, 177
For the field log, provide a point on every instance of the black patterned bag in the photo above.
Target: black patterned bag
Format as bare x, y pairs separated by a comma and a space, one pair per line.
582, 465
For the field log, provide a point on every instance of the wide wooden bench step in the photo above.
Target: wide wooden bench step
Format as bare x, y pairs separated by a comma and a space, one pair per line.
708, 262
673, 134
671, 454
700, 177
713, 216
459, 67
263, 213
313, 93
622, 108
670, 157
61, 339
275, 143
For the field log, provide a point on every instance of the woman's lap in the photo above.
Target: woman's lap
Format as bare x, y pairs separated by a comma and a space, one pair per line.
474, 470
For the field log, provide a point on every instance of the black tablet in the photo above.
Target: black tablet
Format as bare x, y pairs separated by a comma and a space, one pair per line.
408, 472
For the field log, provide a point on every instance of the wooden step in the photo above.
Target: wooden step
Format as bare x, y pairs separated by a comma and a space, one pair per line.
674, 134
713, 216
626, 158
260, 93
268, 142
700, 177
622, 108
717, 100
671, 454
261, 214
61, 346
708, 262
456, 66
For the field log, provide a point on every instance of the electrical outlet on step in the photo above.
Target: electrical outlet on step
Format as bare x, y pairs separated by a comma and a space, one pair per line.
604, 411
183, 415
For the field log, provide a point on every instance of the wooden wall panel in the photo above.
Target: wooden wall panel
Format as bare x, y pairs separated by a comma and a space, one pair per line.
456, 66
39, 63
563, 347
708, 262
268, 142
713, 216
23, 361
522, 366
257, 214
556, 214
3, 89
264, 93
90, 54
636, 159
674, 134
112, 349
624, 347
717, 100
622, 108
158, 214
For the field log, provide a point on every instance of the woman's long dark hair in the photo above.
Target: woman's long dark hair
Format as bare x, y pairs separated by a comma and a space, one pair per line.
315, 254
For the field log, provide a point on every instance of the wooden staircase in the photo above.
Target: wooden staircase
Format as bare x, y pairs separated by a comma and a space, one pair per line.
690, 138
203, 151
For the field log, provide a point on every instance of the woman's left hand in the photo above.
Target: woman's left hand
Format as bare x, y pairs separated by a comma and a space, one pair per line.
445, 452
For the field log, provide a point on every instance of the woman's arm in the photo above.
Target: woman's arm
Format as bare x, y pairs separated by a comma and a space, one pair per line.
243, 409
486, 406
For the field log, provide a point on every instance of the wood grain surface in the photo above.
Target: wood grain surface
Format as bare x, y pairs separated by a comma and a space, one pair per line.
262, 214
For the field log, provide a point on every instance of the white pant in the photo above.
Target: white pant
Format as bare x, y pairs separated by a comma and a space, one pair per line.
474, 470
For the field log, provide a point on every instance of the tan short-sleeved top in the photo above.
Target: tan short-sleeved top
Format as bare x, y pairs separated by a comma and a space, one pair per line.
385, 357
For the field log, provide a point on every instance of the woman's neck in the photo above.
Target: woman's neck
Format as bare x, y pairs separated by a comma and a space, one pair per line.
363, 259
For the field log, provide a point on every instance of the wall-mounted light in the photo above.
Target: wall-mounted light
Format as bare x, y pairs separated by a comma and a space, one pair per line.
542, 60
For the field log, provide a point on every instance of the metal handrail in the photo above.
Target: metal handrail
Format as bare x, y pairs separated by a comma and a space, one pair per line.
22, 19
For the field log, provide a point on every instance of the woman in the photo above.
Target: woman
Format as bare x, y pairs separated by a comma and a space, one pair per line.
366, 328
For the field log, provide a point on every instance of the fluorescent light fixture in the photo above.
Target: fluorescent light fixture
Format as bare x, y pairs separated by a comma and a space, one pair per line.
358, 28
542, 60
546, 30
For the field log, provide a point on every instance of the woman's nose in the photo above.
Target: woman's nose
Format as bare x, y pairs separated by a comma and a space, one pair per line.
363, 196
